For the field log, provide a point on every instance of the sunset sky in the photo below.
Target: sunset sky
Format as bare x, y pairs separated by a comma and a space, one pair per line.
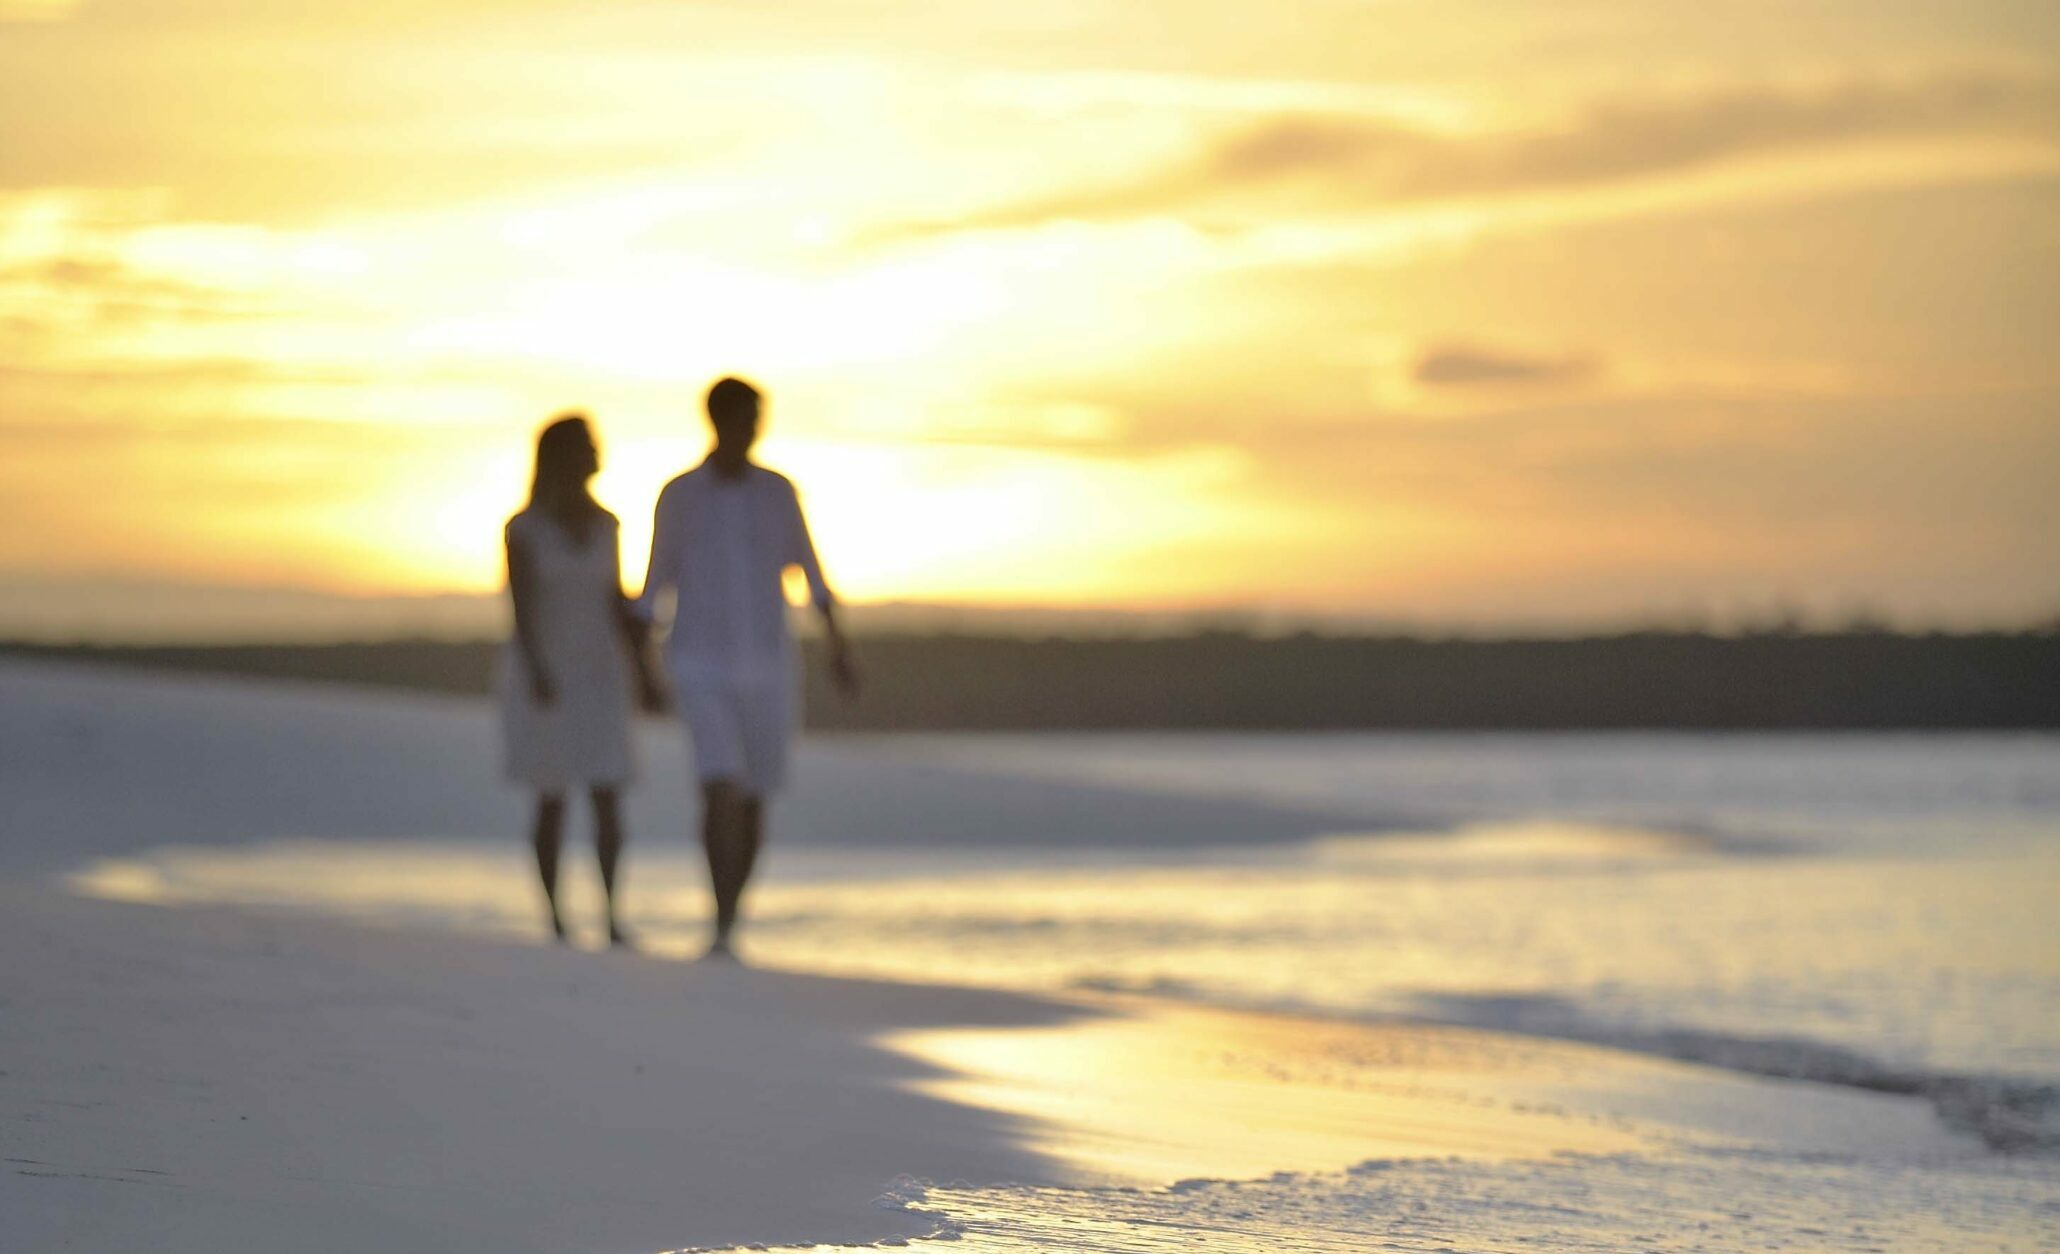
1466, 311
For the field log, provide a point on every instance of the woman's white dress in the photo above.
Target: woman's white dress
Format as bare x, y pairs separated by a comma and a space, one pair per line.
581, 739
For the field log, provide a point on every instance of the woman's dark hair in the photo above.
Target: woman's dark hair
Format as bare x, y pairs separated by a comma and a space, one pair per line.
564, 462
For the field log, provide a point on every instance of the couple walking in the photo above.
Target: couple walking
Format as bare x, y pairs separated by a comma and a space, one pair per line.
725, 534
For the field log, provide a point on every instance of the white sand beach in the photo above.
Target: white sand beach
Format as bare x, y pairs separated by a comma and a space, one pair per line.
195, 1080
247, 1055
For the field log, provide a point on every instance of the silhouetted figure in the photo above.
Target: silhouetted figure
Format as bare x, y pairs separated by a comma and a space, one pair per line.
566, 680
724, 536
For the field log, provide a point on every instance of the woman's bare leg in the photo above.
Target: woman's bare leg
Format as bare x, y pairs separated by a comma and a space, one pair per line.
751, 835
608, 838
548, 837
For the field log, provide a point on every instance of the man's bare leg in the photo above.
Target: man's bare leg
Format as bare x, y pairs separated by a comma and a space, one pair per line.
608, 850
723, 820
750, 824
548, 837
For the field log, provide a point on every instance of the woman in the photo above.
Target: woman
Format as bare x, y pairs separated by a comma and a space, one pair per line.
566, 678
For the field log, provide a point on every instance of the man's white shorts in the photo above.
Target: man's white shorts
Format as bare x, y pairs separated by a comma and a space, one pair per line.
741, 732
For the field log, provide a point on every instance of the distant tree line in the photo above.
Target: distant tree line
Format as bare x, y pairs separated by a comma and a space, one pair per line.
1229, 680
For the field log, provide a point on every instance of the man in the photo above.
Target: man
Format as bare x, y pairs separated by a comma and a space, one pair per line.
725, 534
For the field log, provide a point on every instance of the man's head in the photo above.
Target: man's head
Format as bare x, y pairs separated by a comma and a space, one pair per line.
733, 408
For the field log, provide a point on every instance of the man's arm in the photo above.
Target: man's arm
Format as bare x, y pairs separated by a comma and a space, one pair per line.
843, 667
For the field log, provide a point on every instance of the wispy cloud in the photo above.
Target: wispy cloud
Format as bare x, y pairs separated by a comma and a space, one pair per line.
1348, 162
1467, 365
69, 291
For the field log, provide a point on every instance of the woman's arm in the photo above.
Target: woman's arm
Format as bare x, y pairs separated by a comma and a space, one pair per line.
523, 591
636, 634
662, 572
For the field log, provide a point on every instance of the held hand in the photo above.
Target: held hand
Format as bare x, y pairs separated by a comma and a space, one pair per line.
541, 688
651, 694
635, 624
844, 669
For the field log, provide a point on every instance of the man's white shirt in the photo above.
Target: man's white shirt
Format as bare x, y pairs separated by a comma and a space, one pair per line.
721, 547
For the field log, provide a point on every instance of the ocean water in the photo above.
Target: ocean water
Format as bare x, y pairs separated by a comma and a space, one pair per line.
1871, 912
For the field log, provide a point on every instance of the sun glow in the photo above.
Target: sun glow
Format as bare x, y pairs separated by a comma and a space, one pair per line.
933, 522
433, 348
